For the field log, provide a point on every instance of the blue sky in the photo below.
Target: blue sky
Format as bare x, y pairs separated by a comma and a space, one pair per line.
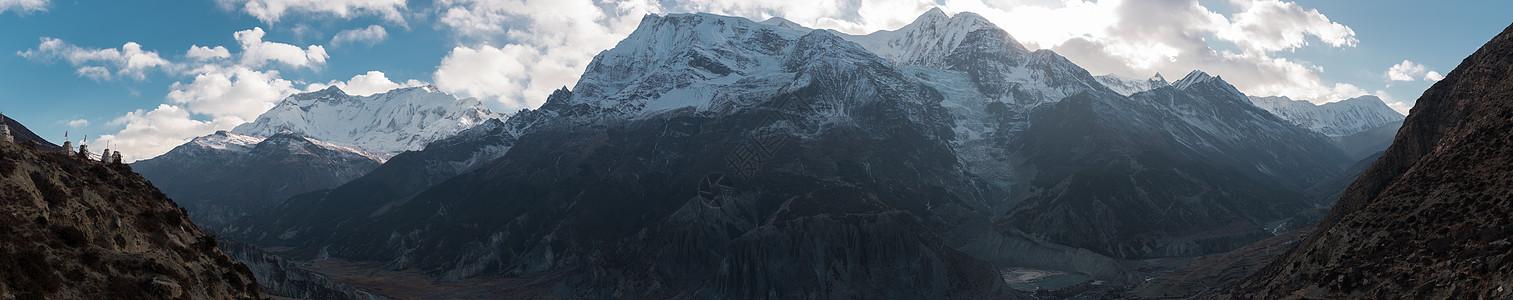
68, 65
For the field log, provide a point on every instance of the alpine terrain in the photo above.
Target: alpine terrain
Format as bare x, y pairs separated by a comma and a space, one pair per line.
707, 156
1361, 126
308, 142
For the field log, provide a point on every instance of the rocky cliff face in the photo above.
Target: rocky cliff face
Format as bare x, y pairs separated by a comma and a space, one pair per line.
1430, 219
76, 229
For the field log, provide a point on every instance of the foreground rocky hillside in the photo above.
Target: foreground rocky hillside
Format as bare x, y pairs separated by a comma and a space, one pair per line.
1431, 219
77, 229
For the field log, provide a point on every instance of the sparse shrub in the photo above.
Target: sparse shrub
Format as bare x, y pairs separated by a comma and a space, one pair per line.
126, 288
51, 193
206, 244
28, 272
7, 166
73, 237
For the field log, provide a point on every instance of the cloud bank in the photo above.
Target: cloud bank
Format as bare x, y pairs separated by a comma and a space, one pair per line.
23, 6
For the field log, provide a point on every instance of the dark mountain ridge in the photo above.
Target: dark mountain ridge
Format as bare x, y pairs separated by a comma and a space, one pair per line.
1430, 218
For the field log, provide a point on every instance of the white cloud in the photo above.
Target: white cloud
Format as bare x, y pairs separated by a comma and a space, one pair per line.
218, 98
1400, 107
93, 72
256, 52
1433, 76
1409, 71
271, 11
223, 92
207, 53
23, 6
547, 45
230, 94
75, 123
129, 60
501, 74
370, 35
1137, 39
1271, 25
370, 83
151, 133
853, 17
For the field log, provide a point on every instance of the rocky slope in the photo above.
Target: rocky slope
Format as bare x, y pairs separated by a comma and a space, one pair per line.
1212, 273
1430, 219
222, 176
76, 229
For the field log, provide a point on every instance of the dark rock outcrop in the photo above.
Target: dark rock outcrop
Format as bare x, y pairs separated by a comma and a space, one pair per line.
1431, 219
77, 229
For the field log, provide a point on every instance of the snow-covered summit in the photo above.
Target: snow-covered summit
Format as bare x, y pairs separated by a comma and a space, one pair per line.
222, 140
1335, 119
1194, 77
382, 124
1130, 86
682, 61
929, 40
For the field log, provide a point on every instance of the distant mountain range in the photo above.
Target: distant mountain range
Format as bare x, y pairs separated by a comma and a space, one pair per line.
309, 141
382, 125
720, 157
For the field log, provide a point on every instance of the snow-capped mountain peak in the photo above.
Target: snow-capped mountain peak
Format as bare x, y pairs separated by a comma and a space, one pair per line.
784, 23
1335, 119
1200, 82
680, 61
222, 140
382, 124
1192, 78
1130, 86
930, 39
